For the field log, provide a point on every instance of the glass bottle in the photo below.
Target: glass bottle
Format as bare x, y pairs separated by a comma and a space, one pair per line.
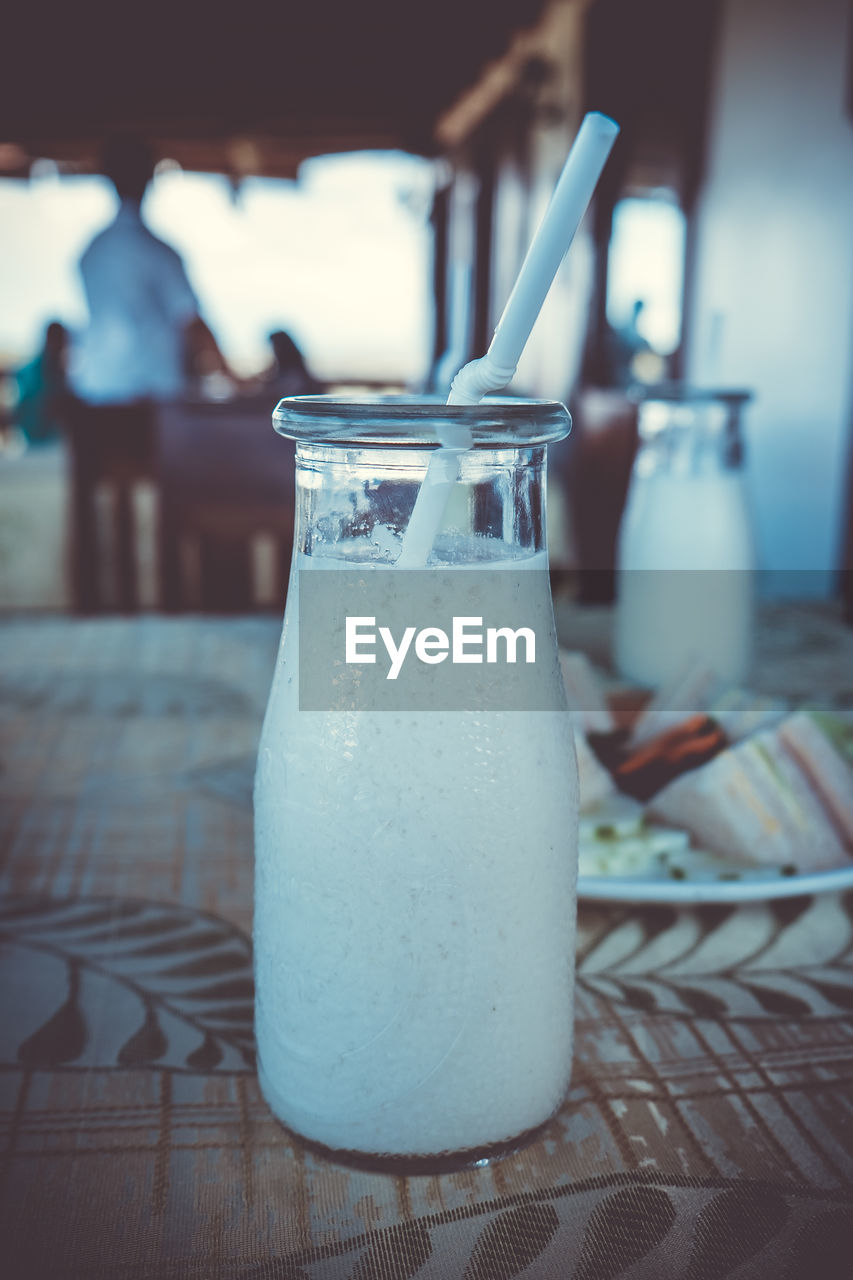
686, 557
415, 869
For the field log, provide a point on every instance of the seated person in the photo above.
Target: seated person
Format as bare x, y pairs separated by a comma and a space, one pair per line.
289, 374
43, 388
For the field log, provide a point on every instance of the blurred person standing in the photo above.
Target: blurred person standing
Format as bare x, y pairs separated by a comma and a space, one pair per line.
145, 332
145, 326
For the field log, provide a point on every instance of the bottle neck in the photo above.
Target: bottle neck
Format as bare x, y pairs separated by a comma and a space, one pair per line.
689, 438
353, 504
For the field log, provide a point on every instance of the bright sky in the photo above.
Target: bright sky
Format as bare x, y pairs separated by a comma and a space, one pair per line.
340, 259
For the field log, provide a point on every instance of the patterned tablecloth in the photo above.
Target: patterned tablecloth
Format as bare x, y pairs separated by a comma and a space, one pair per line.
708, 1131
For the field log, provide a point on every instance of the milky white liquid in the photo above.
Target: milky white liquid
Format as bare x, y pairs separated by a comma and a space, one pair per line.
414, 916
685, 584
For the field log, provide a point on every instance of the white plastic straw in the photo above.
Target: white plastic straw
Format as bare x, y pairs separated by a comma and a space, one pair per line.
572, 194
497, 367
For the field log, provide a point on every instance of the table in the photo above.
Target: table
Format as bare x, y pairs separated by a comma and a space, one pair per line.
708, 1131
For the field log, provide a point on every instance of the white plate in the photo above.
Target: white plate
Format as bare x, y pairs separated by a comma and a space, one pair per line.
753, 886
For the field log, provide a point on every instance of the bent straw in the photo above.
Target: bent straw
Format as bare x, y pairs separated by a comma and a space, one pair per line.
496, 368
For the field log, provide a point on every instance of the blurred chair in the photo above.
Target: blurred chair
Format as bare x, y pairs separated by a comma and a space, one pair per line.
604, 442
112, 449
226, 494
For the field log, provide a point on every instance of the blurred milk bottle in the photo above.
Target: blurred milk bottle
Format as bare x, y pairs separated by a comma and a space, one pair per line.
686, 558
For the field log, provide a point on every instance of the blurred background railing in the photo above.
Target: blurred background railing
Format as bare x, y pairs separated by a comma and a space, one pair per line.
366, 179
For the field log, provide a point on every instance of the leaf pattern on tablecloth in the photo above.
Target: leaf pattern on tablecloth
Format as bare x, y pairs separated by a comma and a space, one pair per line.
772, 1001
702, 962
582, 1232
622, 1228
733, 1228
780, 994
272, 1269
109, 983
63, 1037
512, 1241
406, 1244
702, 1003
146, 1045
709, 938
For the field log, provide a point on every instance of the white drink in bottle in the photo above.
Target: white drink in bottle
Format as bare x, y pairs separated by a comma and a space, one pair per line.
415, 871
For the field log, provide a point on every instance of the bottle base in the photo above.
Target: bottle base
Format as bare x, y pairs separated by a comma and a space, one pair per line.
408, 1163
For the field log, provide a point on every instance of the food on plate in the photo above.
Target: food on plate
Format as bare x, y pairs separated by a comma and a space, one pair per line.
585, 693
698, 691
740, 713
760, 801
619, 841
619, 817
822, 745
644, 771
689, 694
732, 782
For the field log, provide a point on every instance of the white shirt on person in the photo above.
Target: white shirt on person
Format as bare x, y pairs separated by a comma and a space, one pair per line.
140, 302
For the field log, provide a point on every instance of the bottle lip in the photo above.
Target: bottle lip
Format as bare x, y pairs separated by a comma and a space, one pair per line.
684, 393
420, 421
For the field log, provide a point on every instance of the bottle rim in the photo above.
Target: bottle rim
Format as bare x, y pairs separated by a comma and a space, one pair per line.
420, 421
684, 393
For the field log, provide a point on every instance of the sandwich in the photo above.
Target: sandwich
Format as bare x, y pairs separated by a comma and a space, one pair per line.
783, 797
